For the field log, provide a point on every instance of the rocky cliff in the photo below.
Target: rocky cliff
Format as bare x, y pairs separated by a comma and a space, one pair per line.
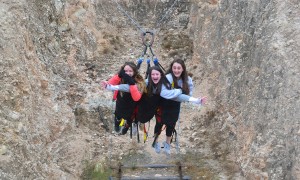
248, 53
244, 55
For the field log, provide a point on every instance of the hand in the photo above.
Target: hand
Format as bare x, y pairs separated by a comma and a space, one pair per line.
155, 61
195, 100
121, 73
128, 79
104, 84
203, 100
139, 61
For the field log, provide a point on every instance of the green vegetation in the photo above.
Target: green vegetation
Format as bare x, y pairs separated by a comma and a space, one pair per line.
96, 171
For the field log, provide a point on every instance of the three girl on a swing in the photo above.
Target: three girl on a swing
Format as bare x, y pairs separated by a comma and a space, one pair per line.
160, 96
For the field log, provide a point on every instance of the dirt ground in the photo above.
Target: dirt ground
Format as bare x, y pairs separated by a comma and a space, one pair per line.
192, 153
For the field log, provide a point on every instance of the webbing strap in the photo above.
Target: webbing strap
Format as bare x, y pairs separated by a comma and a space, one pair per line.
138, 134
145, 133
148, 44
131, 131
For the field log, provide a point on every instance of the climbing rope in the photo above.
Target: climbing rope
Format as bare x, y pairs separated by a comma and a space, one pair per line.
138, 26
148, 46
151, 33
129, 17
165, 15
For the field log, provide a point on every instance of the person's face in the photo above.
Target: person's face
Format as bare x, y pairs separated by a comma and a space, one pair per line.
128, 70
155, 76
177, 69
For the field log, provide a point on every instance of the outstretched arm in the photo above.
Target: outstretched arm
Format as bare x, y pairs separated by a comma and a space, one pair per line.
165, 93
169, 93
135, 93
133, 89
186, 98
120, 87
114, 80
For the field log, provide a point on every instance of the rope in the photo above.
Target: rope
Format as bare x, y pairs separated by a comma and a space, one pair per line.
138, 26
157, 26
165, 15
132, 20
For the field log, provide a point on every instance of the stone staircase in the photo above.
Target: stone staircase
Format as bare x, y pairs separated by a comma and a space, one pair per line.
150, 172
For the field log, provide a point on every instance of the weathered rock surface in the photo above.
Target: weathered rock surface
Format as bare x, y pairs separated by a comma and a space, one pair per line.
244, 55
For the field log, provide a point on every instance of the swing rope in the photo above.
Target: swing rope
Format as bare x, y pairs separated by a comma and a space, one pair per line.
144, 33
165, 15
129, 17
148, 45
138, 26
155, 61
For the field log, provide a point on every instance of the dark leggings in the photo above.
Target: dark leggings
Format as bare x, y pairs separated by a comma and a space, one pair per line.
169, 130
159, 124
158, 128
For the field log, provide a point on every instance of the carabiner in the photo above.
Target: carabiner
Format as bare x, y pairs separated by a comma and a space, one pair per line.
151, 40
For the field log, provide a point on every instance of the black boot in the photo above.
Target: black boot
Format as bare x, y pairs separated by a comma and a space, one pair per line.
117, 125
125, 129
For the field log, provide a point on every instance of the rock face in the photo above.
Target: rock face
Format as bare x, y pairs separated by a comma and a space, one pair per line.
248, 53
244, 55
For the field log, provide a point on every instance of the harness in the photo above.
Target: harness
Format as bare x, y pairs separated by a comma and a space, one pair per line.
147, 52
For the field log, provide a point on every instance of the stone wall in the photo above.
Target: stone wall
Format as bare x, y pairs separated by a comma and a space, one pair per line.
243, 54
249, 55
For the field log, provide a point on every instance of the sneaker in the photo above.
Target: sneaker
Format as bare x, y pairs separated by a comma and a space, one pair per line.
157, 147
124, 129
167, 148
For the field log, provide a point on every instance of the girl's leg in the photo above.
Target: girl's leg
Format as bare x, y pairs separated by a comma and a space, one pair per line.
117, 123
158, 124
168, 139
157, 131
169, 131
126, 127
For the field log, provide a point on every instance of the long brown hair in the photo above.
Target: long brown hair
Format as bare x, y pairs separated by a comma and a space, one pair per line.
140, 82
163, 81
183, 76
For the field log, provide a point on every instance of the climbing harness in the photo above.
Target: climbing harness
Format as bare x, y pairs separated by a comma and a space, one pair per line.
147, 53
148, 45
122, 123
149, 56
145, 133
